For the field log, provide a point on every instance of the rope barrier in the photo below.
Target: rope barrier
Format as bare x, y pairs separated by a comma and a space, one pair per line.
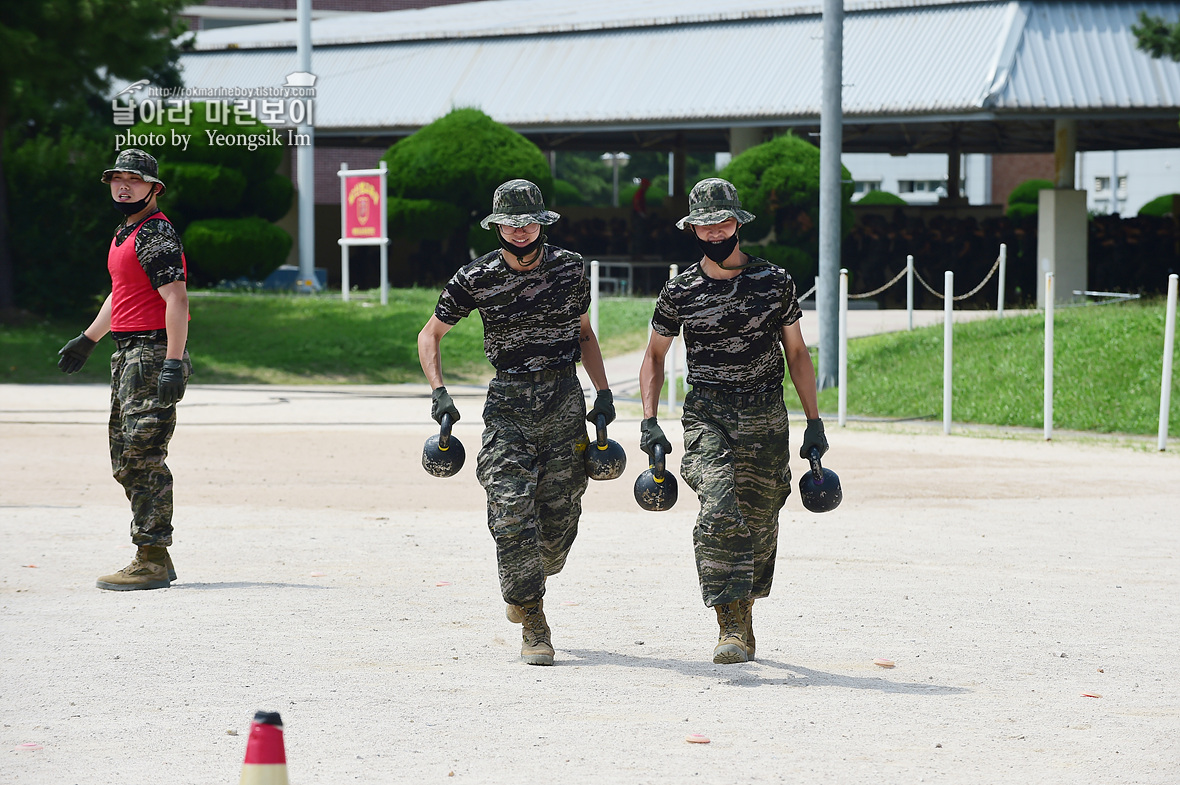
971, 293
875, 292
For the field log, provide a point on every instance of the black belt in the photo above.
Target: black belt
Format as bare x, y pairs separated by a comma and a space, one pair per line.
142, 336
737, 399
547, 375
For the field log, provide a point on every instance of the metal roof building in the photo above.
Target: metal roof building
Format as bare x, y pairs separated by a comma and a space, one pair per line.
920, 75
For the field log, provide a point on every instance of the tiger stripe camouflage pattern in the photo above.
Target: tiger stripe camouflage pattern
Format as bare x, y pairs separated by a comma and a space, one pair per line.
531, 464
531, 318
732, 327
139, 430
736, 453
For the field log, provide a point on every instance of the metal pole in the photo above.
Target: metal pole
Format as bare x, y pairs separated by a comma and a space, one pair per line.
1169, 347
948, 311
1049, 298
305, 162
909, 290
1003, 279
673, 271
831, 140
843, 378
384, 238
594, 295
343, 222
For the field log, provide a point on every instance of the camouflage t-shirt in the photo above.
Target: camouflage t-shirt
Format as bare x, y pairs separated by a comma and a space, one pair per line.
531, 319
158, 248
733, 327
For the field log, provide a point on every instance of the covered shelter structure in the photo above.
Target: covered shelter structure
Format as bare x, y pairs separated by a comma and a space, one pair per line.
944, 76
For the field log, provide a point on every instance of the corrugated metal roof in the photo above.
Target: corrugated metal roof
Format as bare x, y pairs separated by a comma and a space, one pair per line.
902, 60
504, 18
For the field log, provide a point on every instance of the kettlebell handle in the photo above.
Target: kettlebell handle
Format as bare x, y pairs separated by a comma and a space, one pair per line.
657, 462
444, 433
600, 429
817, 471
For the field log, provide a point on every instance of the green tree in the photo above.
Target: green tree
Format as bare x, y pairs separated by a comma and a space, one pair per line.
779, 183
442, 177
1157, 37
56, 51
1024, 200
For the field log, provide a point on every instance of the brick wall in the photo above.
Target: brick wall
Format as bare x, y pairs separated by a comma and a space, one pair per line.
327, 163
1012, 169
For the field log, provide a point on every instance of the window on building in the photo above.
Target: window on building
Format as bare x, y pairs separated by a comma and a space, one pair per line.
921, 186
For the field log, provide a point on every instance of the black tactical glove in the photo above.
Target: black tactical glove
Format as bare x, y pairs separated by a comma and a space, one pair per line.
813, 437
651, 434
74, 354
440, 404
171, 384
603, 404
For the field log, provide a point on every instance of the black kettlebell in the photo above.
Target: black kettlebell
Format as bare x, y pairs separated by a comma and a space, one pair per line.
605, 458
443, 455
655, 489
820, 487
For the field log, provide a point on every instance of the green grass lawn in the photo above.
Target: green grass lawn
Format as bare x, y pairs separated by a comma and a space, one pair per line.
1108, 359
290, 339
1107, 366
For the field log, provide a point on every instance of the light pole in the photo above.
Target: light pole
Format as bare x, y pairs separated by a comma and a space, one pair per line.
615, 161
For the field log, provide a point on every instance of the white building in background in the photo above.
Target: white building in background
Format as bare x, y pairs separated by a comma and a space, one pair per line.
920, 179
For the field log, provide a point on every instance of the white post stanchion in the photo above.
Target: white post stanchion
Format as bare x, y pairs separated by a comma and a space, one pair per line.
909, 290
1049, 297
1003, 272
1169, 347
948, 311
384, 238
594, 294
344, 285
672, 370
842, 376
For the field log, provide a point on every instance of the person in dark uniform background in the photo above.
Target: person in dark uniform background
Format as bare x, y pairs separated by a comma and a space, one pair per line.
533, 299
739, 315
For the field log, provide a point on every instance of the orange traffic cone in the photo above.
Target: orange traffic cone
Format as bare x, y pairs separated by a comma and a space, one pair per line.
266, 760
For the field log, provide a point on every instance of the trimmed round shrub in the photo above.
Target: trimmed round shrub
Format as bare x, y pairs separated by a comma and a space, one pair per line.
1024, 199
884, 198
565, 194
270, 197
203, 190
482, 240
232, 248
1159, 206
419, 219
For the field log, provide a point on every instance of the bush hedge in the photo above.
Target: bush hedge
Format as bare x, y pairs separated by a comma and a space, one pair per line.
1160, 206
884, 198
231, 248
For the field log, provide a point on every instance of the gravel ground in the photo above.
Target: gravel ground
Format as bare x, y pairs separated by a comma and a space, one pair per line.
1026, 591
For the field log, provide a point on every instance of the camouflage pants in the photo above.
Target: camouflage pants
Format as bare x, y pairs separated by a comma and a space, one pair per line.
531, 466
736, 459
139, 430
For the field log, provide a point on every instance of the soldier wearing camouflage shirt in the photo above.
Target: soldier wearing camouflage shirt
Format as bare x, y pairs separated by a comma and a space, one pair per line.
533, 299
738, 313
147, 315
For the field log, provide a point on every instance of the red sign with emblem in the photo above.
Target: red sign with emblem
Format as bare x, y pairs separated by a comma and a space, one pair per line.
362, 206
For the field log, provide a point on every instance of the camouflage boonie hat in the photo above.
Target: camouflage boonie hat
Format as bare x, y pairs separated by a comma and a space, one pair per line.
712, 201
519, 203
137, 162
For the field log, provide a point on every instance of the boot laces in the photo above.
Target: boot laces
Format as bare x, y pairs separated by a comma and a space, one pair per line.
730, 619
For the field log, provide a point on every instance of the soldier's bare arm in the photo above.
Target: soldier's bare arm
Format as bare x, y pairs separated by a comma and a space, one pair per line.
592, 355
651, 373
175, 297
802, 370
429, 354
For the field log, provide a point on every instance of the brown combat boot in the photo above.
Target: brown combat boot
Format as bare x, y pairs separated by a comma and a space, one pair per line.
747, 608
731, 644
168, 564
536, 647
514, 613
148, 570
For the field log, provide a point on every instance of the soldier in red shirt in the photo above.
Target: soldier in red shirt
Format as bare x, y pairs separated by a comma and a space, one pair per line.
147, 315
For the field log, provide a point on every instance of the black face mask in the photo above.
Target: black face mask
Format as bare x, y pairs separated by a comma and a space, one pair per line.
720, 251
131, 208
520, 252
